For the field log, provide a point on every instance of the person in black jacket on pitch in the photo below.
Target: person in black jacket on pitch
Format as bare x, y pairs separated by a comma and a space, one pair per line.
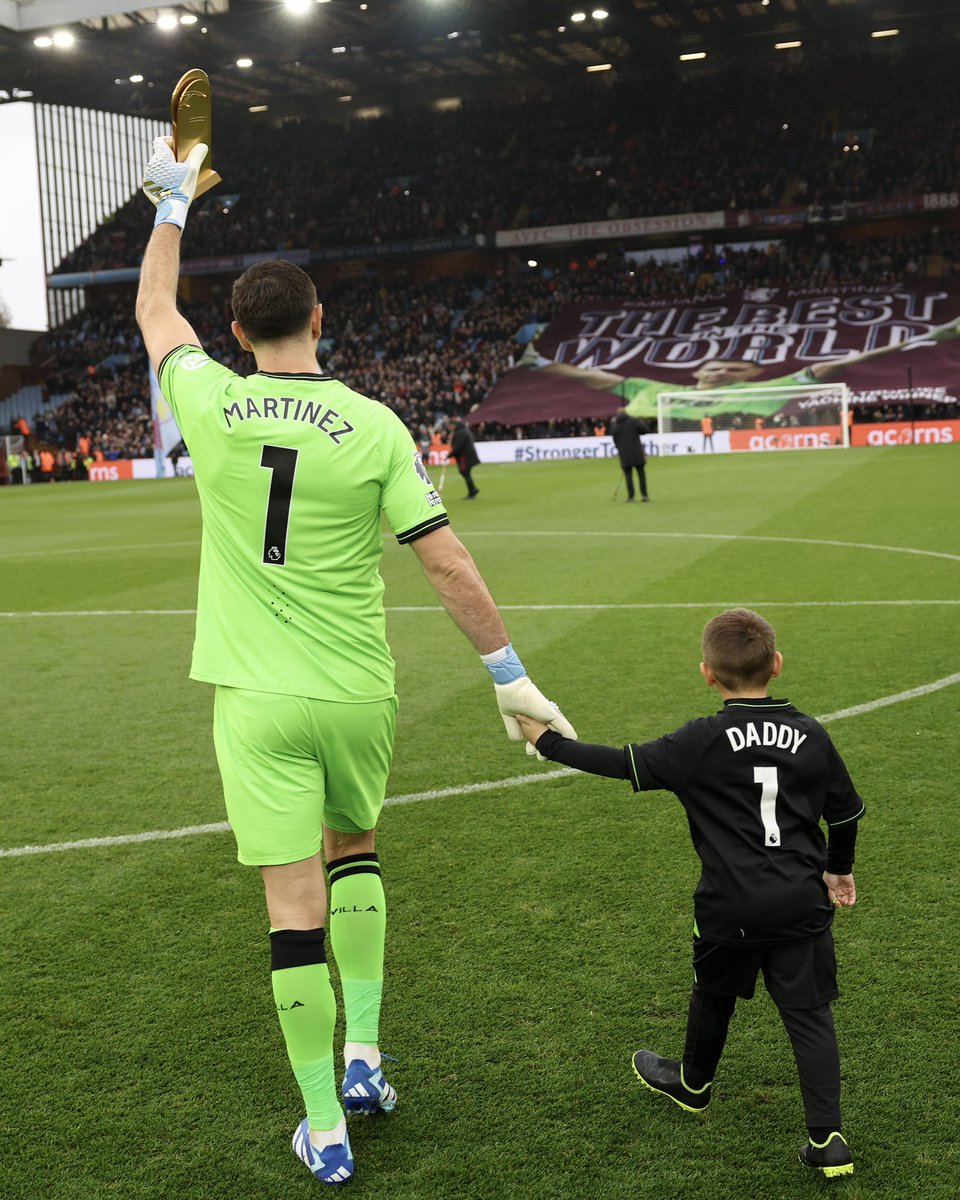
627, 432
465, 452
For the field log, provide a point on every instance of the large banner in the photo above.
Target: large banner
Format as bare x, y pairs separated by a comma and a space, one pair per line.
580, 231
894, 345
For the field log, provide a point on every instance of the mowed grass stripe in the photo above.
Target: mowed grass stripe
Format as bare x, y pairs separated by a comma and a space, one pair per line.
720, 605
538, 936
160, 835
124, 839
539, 533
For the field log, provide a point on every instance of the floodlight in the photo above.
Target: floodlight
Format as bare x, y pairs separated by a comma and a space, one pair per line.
244, 63
167, 22
189, 18
693, 57
43, 41
63, 38
299, 7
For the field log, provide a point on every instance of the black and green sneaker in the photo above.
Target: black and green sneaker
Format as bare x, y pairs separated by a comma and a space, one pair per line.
665, 1075
832, 1157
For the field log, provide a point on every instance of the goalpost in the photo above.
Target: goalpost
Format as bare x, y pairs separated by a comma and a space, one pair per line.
796, 416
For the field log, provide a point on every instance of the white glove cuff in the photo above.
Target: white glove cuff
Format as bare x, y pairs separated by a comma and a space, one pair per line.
172, 210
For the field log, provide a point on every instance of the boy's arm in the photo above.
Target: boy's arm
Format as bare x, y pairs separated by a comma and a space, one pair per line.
843, 811
661, 765
840, 855
597, 760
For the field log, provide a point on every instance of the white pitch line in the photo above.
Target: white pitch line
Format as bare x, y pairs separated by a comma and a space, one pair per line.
872, 705
540, 533
160, 835
95, 549
436, 608
714, 537
106, 612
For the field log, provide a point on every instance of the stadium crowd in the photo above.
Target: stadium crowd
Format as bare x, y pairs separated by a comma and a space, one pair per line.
590, 155
431, 349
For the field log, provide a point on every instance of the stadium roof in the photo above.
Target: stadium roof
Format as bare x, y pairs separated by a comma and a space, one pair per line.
336, 57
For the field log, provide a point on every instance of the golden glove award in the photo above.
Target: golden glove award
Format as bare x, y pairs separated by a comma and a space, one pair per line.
191, 109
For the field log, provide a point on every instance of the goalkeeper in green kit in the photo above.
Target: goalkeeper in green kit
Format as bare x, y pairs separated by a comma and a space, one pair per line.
293, 469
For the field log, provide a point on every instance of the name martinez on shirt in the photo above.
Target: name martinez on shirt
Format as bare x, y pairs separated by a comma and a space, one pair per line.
306, 411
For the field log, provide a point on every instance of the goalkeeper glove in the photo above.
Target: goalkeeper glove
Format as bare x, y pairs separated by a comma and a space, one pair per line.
944, 333
170, 185
517, 693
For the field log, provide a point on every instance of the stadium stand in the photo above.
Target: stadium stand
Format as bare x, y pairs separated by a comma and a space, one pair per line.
431, 349
615, 152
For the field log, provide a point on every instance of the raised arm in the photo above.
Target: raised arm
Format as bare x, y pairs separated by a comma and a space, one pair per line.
454, 576
170, 186
826, 371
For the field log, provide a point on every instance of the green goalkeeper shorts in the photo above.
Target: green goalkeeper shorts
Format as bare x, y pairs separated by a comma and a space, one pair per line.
291, 765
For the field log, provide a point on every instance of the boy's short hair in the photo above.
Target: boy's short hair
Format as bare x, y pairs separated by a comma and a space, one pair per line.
739, 648
273, 300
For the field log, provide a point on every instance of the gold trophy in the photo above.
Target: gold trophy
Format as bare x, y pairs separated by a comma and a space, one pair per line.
191, 109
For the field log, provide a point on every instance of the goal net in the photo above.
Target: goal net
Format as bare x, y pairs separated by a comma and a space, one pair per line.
752, 417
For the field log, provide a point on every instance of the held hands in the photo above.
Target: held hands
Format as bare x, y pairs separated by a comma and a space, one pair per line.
517, 694
522, 699
171, 185
842, 889
532, 730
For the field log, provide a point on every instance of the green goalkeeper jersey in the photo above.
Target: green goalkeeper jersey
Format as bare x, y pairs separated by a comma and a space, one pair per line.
640, 396
292, 473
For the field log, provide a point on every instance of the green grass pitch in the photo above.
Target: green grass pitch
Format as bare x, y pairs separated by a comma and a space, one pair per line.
538, 933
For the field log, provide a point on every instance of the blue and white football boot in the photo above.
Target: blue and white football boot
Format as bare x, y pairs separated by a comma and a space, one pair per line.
332, 1164
365, 1089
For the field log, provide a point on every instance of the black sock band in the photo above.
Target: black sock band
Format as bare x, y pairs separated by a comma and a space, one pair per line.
353, 864
819, 1134
296, 948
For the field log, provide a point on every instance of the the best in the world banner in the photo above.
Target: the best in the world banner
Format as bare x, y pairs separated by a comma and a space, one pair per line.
892, 345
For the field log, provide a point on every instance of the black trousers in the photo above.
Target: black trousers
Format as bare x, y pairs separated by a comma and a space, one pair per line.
472, 488
811, 1034
641, 479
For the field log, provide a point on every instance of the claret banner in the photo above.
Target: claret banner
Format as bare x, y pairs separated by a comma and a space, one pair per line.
894, 345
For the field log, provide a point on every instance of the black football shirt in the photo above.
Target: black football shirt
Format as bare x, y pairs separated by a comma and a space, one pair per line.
755, 780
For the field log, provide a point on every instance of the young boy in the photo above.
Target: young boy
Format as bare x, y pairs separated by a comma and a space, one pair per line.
755, 781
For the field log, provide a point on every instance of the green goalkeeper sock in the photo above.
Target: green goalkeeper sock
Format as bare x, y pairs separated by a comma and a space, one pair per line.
358, 922
307, 1010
